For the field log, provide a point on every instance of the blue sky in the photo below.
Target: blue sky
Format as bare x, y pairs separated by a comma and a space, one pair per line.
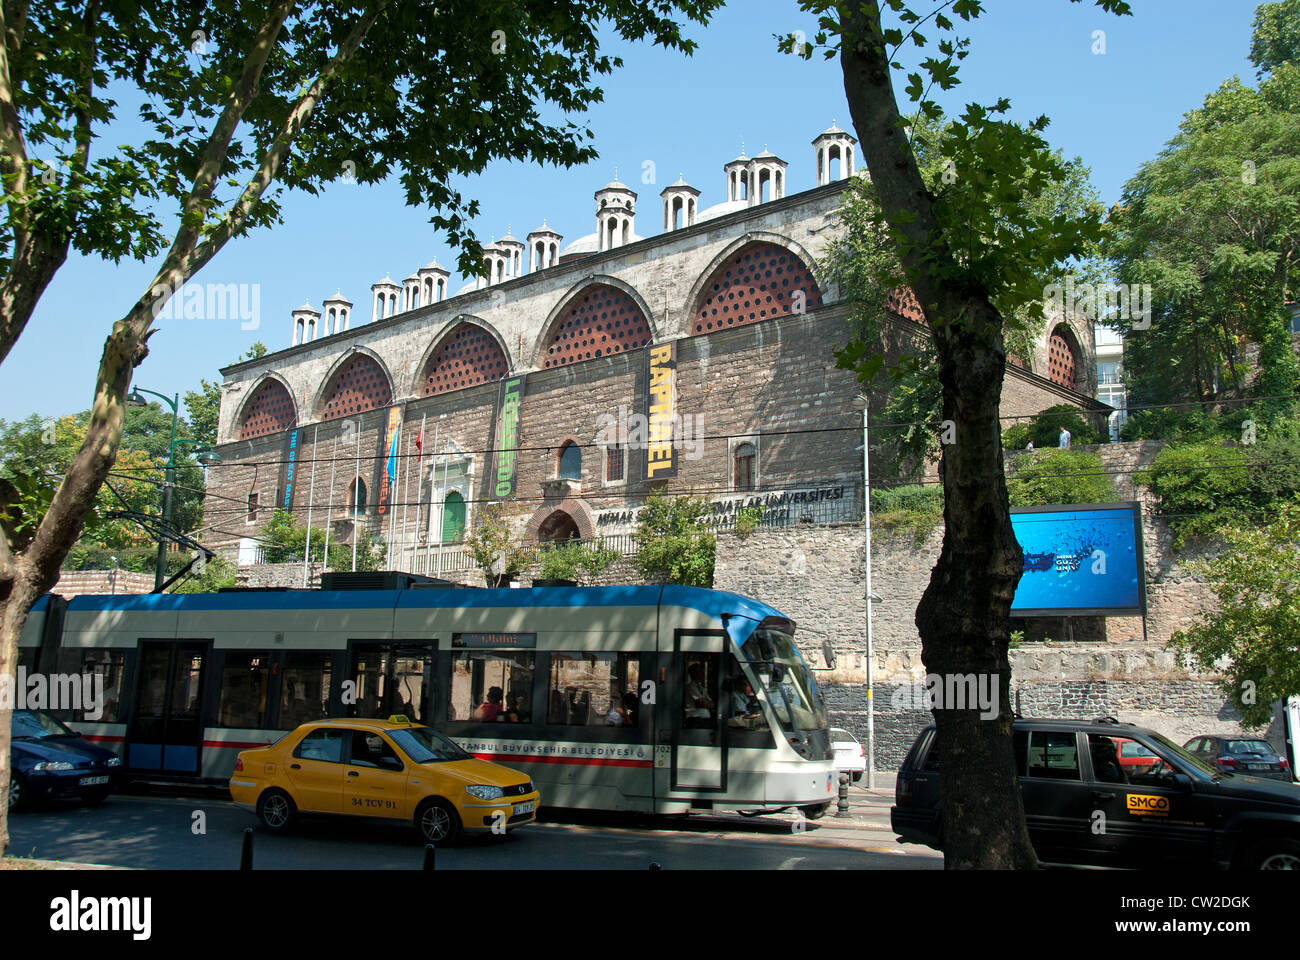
686, 115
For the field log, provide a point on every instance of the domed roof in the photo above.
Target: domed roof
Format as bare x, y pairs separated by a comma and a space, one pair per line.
833, 131
616, 185
338, 298
721, 210
434, 265
386, 282
306, 308
588, 244
679, 184
545, 228
767, 155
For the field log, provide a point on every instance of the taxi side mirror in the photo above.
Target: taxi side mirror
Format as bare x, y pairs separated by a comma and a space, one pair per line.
1182, 781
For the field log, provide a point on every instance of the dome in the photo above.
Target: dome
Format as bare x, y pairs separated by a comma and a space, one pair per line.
721, 210
588, 244
615, 185
434, 265
338, 298
306, 308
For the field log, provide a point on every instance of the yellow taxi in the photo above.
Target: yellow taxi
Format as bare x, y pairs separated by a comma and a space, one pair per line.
390, 769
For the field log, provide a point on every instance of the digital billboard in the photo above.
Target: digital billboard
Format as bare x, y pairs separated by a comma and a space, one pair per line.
1080, 560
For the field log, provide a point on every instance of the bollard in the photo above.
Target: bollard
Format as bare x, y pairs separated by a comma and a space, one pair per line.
430, 856
842, 805
246, 853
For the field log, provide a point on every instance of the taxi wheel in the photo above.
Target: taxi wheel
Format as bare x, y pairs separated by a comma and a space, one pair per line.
17, 792
276, 811
1277, 855
437, 822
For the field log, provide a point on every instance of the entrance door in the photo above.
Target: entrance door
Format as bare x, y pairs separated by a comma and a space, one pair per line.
166, 731
698, 754
392, 677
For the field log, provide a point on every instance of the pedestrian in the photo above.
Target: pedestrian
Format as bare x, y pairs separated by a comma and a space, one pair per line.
1065, 437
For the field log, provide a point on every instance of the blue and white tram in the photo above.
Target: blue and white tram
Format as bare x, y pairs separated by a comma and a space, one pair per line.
655, 699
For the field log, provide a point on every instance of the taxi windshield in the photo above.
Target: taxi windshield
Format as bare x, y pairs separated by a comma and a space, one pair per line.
423, 745
786, 679
1191, 759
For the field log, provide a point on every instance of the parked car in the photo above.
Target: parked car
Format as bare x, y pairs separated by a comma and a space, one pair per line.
850, 758
391, 770
1241, 755
49, 760
1181, 812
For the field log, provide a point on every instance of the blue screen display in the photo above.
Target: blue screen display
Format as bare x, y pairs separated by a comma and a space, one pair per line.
1079, 559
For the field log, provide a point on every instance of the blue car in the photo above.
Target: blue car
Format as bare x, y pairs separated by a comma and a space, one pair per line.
48, 760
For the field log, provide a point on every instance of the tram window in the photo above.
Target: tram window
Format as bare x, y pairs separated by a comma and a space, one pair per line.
594, 689
488, 687
700, 694
101, 700
305, 693
245, 679
186, 686
326, 745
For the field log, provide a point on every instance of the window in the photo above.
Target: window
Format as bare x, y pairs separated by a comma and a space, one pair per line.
323, 745
491, 687
99, 684
244, 681
1108, 372
305, 692
252, 507
570, 461
594, 689
371, 750
1106, 766
357, 497
615, 458
1053, 755
700, 691
746, 460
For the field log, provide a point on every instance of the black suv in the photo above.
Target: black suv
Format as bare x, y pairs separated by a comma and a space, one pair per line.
1084, 806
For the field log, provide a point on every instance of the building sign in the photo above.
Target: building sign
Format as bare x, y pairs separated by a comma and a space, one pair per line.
490, 640
780, 508
289, 466
661, 398
389, 460
507, 436
1080, 560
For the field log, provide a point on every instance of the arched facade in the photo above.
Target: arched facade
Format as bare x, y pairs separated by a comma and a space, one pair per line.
468, 356
572, 508
600, 320
358, 384
270, 409
1063, 357
758, 281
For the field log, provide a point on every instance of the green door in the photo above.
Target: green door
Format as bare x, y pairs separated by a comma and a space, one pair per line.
453, 518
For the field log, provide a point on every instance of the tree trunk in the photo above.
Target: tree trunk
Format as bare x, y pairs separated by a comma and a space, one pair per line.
963, 615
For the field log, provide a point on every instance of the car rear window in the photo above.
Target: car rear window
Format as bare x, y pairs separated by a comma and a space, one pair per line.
1247, 746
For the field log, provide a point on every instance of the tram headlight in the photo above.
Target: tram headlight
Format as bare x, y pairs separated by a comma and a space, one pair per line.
484, 792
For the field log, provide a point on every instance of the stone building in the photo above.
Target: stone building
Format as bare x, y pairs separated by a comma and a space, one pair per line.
555, 382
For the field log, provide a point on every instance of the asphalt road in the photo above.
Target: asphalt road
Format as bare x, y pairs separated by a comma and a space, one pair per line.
205, 833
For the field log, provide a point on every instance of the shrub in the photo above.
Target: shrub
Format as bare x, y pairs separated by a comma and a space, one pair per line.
1052, 476
672, 542
576, 561
916, 508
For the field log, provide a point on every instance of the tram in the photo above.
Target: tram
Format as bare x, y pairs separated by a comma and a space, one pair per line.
657, 699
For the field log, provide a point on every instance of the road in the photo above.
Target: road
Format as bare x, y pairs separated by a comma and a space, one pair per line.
205, 832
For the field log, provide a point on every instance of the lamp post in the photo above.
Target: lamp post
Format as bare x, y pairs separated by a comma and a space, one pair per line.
169, 478
863, 402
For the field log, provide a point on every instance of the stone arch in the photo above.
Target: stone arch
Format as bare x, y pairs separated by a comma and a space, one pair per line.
421, 370
1064, 357
753, 279
359, 381
575, 509
468, 352
269, 408
557, 528
580, 316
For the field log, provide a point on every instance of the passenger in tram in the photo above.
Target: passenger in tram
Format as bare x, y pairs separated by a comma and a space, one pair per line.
622, 713
518, 710
491, 708
699, 706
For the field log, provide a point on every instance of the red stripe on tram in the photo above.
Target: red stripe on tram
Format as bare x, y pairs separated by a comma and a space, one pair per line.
102, 738
584, 761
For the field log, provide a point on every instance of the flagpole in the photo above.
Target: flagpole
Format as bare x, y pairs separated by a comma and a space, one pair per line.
433, 477
311, 493
419, 457
329, 516
442, 514
406, 492
356, 492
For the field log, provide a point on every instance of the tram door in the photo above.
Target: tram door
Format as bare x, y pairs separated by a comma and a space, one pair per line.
391, 677
698, 747
166, 730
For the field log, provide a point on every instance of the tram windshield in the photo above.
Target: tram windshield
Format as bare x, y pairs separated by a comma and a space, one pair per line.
785, 677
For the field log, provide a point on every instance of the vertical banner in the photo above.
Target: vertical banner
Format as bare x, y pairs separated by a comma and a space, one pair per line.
661, 400
506, 441
288, 466
386, 474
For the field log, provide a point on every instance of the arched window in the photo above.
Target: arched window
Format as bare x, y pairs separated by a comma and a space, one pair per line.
357, 497
746, 466
1063, 357
453, 518
570, 462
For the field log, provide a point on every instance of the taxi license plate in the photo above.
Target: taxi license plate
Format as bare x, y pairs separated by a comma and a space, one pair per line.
92, 781
524, 807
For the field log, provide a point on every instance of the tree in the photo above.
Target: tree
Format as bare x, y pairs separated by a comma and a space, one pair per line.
1212, 225
1250, 636
285, 539
972, 255
576, 561
1044, 429
268, 98
495, 549
673, 544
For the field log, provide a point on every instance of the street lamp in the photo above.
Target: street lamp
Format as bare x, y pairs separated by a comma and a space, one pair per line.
862, 401
135, 399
